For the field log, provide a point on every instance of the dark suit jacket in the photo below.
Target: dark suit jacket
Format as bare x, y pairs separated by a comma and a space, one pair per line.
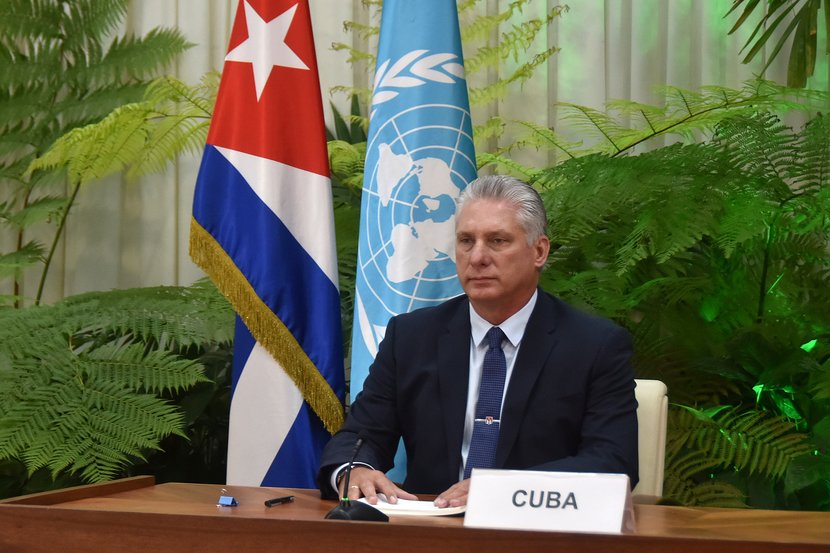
569, 405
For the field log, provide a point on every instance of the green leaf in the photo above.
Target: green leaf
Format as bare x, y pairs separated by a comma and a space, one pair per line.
358, 123
341, 129
759, 44
40, 210
748, 9
805, 470
13, 262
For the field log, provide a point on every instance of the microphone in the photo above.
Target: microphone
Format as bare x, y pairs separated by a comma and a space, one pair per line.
354, 510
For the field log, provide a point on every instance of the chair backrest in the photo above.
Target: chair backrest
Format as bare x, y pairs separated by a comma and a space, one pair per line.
652, 414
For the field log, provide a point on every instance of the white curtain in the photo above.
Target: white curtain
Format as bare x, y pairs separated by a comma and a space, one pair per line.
128, 234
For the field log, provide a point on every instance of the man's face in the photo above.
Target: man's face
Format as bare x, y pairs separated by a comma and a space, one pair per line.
497, 268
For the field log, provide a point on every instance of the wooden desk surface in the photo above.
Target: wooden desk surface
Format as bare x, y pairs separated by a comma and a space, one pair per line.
135, 515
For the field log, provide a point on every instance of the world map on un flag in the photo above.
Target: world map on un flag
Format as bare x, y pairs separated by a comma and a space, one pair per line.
421, 165
419, 157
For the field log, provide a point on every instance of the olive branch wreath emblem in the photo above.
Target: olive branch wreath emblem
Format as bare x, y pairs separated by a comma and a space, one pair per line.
415, 69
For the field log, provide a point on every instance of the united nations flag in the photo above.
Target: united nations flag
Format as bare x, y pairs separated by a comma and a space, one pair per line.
419, 158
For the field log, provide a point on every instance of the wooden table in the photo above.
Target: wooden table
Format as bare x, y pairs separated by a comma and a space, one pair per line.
134, 515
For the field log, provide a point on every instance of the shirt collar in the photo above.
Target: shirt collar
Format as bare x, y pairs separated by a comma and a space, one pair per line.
513, 327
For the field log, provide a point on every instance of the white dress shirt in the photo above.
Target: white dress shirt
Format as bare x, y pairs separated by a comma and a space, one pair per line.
514, 330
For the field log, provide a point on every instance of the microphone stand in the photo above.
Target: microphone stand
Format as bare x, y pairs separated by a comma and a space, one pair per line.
354, 510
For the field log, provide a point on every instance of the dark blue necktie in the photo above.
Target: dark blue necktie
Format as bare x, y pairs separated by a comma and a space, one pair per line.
486, 426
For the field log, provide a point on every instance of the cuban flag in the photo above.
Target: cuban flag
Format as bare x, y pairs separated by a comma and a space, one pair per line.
419, 158
263, 230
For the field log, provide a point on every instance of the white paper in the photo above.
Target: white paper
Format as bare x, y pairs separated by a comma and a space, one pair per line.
408, 507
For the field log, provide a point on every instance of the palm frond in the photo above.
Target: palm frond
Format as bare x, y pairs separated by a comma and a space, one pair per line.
801, 20
714, 255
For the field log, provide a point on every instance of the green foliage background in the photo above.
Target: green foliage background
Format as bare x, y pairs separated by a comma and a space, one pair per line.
63, 68
90, 386
715, 255
714, 251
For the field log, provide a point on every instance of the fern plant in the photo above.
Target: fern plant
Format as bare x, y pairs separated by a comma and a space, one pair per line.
704, 441
715, 255
86, 384
62, 69
625, 126
137, 138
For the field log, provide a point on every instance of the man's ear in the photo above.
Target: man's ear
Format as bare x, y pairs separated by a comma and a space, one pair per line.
542, 249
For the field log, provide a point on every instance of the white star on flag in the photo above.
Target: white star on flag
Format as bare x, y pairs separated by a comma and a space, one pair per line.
265, 46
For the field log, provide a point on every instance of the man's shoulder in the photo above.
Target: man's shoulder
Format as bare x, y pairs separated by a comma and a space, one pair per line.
442, 312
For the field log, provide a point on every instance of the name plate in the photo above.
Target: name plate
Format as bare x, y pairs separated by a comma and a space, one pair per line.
559, 501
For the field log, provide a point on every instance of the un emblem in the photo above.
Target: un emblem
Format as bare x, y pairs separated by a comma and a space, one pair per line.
419, 158
420, 165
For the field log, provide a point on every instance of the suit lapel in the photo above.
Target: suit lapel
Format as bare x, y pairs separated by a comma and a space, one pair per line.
537, 343
453, 377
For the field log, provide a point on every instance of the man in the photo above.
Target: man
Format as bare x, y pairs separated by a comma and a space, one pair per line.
563, 377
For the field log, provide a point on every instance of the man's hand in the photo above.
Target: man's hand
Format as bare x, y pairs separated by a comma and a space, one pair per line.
369, 483
456, 496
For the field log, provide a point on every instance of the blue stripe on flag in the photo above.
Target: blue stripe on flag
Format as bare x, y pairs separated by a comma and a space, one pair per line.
243, 343
295, 287
295, 465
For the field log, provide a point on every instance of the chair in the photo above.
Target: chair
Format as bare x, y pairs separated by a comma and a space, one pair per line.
652, 413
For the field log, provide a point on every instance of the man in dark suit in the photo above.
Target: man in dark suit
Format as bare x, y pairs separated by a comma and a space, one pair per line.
566, 394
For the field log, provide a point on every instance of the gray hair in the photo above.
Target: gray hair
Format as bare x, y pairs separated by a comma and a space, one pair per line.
530, 211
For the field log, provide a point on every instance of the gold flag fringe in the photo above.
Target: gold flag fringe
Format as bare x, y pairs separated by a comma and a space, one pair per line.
265, 326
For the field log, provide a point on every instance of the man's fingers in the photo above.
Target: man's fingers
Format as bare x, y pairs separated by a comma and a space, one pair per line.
353, 492
455, 496
355, 477
403, 494
369, 492
367, 483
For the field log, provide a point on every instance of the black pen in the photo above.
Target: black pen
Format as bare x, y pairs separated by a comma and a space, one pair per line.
279, 500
